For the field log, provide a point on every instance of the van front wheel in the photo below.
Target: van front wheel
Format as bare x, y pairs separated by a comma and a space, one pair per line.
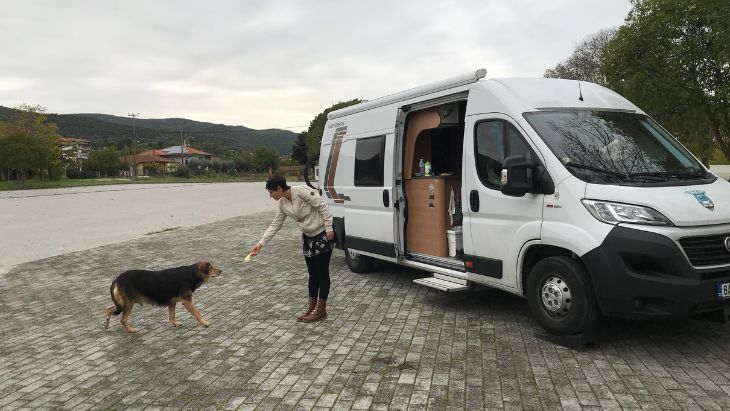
560, 296
358, 263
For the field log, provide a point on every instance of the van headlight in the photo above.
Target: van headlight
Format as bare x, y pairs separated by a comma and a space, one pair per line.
614, 213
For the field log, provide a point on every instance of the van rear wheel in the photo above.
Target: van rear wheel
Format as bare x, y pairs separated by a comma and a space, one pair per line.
358, 263
560, 296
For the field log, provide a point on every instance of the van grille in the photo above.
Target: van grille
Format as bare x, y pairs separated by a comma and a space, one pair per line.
706, 250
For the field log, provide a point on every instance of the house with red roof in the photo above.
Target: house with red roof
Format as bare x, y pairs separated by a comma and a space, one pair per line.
161, 161
180, 154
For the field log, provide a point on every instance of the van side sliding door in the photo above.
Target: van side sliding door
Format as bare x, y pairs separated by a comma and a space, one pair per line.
369, 212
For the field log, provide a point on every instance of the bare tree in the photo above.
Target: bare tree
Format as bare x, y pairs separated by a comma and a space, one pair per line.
585, 62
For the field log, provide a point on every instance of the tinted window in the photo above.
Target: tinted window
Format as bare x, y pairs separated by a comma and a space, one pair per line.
369, 153
494, 141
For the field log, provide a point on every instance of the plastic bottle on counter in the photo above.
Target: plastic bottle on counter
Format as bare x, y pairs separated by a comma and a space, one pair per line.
427, 168
421, 167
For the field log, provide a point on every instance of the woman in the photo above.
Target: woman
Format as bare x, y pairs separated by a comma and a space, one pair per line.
309, 209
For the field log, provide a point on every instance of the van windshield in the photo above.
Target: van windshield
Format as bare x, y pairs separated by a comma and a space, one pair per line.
607, 147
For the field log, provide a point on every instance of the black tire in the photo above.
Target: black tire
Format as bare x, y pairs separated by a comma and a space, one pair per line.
560, 296
358, 263
310, 165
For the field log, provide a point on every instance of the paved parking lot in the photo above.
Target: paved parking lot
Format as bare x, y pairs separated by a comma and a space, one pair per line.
387, 343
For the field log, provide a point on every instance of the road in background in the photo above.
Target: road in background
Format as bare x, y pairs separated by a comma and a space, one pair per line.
36, 224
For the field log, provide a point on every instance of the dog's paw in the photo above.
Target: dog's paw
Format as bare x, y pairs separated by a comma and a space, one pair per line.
204, 323
132, 330
176, 323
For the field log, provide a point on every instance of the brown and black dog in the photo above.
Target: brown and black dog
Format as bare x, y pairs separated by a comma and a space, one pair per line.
164, 287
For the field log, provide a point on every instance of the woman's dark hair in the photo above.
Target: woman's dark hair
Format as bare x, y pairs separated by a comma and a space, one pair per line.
276, 181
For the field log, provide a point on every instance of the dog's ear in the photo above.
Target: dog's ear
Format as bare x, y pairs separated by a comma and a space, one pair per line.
207, 267
202, 267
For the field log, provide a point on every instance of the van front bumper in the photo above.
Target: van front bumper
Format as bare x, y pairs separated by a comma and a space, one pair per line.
642, 274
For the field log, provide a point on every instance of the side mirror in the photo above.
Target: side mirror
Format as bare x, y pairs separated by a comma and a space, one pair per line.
517, 176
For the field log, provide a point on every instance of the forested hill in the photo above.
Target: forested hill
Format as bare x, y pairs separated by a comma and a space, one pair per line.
103, 129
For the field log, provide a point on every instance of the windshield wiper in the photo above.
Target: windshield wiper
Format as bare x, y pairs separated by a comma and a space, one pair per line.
693, 173
620, 176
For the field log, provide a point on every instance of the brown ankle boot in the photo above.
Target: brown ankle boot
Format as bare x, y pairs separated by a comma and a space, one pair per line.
312, 303
319, 313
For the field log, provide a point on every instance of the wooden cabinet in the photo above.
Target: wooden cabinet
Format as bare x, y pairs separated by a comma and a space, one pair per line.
428, 219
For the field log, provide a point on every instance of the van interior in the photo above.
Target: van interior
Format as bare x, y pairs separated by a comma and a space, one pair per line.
431, 226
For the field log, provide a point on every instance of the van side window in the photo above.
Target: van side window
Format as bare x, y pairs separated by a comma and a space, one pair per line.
495, 140
369, 156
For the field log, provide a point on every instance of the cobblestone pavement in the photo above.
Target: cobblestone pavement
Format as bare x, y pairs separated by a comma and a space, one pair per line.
387, 342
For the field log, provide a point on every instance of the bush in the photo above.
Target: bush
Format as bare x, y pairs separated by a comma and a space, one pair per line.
72, 173
56, 173
181, 171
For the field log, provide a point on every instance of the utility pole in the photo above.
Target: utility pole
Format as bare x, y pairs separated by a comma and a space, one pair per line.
134, 141
182, 146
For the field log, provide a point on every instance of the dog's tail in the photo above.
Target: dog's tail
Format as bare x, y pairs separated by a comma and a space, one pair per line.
116, 299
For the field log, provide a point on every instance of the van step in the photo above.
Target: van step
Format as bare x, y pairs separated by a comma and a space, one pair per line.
443, 283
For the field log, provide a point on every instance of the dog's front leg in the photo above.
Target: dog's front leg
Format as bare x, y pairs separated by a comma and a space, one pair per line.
171, 311
194, 311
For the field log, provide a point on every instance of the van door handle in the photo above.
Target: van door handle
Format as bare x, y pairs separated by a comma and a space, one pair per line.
474, 200
386, 198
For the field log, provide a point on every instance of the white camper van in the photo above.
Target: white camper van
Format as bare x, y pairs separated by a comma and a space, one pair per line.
560, 191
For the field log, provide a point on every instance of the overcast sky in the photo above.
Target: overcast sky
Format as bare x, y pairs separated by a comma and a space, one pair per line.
271, 64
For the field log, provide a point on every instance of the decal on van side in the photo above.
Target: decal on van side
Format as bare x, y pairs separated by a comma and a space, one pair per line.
332, 164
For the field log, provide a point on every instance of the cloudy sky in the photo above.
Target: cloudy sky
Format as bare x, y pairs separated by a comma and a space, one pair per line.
271, 64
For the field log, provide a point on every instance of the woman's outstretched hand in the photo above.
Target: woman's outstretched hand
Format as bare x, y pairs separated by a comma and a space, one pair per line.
255, 250
330, 235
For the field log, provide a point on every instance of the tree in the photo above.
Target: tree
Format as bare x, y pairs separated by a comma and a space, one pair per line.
672, 58
22, 152
107, 161
313, 136
299, 149
32, 121
585, 62
265, 157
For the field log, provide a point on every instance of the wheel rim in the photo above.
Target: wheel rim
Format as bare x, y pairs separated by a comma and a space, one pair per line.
556, 297
353, 256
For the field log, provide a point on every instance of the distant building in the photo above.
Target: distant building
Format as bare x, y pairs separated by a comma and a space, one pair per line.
147, 163
161, 161
180, 154
74, 151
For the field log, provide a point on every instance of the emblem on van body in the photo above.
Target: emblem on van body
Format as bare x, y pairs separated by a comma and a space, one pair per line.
702, 199
727, 243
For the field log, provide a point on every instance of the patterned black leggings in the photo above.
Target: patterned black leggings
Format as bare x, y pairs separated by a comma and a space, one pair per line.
319, 274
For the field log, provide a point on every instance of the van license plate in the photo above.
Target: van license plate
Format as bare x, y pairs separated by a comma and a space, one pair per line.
723, 291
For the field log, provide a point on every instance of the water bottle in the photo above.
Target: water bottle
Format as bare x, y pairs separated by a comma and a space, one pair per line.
421, 167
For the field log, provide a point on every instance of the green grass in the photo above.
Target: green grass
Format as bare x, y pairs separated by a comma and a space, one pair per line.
33, 184
67, 182
718, 158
